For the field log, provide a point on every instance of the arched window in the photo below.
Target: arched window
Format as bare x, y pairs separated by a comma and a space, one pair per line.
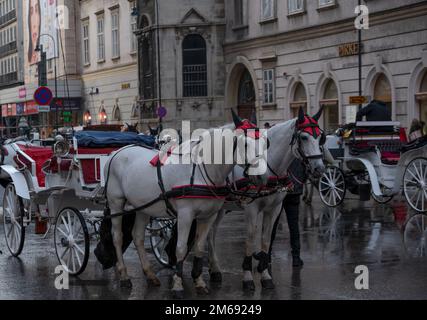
144, 22
422, 99
147, 69
117, 116
194, 66
382, 90
135, 110
246, 96
299, 99
330, 102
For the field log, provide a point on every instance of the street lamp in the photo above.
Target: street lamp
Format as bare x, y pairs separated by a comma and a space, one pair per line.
40, 48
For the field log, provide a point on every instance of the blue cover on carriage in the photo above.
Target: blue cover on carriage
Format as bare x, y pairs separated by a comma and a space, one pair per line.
105, 139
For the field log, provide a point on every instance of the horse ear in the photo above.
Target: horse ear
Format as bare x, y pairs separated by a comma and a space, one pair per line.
319, 113
301, 115
236, 119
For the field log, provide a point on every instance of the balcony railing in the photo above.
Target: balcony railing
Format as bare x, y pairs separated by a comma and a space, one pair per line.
7, 17
7, 49
7, 79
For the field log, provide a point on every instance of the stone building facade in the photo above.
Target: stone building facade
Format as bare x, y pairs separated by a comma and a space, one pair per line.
108, 61
282, 54
181, 61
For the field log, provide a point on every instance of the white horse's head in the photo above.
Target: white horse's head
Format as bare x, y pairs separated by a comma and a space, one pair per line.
307, 141
250, 148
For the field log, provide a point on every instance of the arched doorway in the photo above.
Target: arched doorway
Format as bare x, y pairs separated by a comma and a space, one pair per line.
331, 104
299, 99
382, 90
246, 96
422, 99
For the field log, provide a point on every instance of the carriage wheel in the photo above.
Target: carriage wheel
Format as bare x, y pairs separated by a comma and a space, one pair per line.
13, 220
415, 235
415, 184
160, 234
382, 199
71, 241
332, 186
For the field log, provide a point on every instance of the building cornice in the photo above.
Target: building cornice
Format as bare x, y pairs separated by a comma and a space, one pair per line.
317, 31
107, 71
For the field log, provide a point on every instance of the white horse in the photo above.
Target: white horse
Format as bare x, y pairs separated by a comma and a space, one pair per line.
133, 182
299, 138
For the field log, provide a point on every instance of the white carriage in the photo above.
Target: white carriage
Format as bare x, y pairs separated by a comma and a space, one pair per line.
64, 186
376, 160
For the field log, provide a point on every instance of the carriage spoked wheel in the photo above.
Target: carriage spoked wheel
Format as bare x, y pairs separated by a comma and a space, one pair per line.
415, 235
415, 184
13, 220
71, 241
160, 234
332, 186
382, 199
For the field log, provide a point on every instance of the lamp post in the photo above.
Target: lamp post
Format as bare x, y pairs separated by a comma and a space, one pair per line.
158, 60
40, 48
360, 57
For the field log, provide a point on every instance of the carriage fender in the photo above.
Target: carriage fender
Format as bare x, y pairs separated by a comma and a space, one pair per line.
19, 181
372, 175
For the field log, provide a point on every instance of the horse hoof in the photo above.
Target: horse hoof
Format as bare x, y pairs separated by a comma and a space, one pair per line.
153, 282
267, 284
216, 277
178, 294
126, 283
202, 291
248, 285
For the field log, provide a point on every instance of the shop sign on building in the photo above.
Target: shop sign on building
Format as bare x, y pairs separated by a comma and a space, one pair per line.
349, 49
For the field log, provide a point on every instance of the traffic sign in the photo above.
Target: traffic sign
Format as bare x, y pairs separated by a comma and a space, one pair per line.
43, 96
162, 112
44, 108
358, 99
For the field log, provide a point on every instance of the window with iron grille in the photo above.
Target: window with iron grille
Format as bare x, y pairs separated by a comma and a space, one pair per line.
195, 76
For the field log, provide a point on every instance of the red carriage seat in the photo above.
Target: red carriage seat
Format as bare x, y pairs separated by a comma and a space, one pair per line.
39, 155
91, 166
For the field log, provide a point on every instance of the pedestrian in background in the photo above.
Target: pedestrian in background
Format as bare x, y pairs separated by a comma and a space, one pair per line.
291, 204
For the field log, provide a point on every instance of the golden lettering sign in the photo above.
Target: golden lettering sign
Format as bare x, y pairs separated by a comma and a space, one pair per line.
125, 86
348, 49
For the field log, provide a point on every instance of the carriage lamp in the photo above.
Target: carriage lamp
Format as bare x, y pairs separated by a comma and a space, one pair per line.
103, 116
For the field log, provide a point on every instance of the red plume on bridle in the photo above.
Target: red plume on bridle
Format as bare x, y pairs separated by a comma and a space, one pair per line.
309, 124
245, 125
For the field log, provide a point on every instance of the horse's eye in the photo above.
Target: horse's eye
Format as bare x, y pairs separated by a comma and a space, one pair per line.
304, 138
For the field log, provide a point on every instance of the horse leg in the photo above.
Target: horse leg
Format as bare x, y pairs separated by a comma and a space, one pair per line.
270, 217
214, 268
138, 233
203, 227
116, 230
251, 224
185, 220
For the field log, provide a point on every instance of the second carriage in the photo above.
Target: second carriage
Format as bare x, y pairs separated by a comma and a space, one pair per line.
374, 159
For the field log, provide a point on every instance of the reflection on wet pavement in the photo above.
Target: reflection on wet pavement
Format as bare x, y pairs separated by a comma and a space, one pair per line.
334, 242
